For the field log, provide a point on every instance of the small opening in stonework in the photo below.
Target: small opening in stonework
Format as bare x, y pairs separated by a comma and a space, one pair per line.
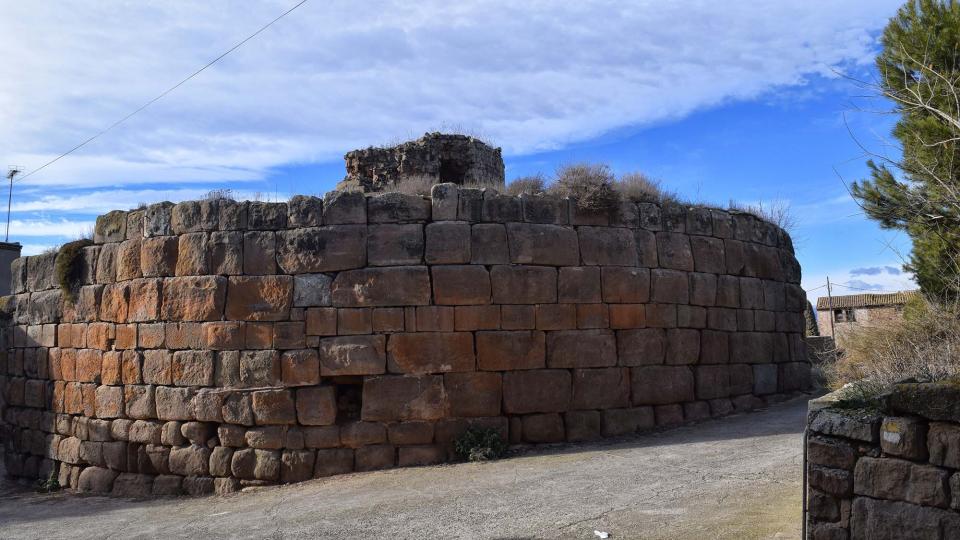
452, 170
349, 398
844, 315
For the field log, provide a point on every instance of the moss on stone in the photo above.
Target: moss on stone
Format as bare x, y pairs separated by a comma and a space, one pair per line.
67, 269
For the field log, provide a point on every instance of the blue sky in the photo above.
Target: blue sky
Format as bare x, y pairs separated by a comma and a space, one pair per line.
739, 101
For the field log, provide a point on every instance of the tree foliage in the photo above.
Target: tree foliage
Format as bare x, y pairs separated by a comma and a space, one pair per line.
920, 194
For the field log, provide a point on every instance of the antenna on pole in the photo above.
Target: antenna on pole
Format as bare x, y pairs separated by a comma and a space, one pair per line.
12, 171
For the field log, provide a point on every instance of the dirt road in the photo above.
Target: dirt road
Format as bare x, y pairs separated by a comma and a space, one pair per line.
737, 477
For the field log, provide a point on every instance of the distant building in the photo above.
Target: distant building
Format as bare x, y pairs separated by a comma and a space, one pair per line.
843, 313
433, 158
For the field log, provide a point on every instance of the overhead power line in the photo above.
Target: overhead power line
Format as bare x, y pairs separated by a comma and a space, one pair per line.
164, 93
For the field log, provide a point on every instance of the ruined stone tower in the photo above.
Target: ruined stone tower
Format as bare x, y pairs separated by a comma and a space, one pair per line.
435, 157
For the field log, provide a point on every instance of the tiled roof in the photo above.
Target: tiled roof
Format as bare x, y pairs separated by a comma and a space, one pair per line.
867, 300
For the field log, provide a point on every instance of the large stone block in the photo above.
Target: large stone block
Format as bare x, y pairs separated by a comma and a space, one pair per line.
488, 244
304, 211
943, 444
896, 479
274, 407
193, 368
673, 251
198, 298
344, 207
934, 401
193, 257
397, 208
607, 246
461, 285
606, 388
447, 242
296, 465
509, 350
259, 298
500, 208
110, 402
352, 355
544, 390
831, 452
110, 227
683, 346
473, 394
395, 245
430, 352
192, 460
907, 437
872, 519
259, 253
255, 464
322, 249
856, 425
543, 428
317, 405
300, 367
662, 385
548, 245
96, 479
444, 201
712, 382
158, 256
524, 284
174, 403
389, 286
581, 348
260, 368
542, 208
669, 286
139, 401
390, 398
640, 347
226, 253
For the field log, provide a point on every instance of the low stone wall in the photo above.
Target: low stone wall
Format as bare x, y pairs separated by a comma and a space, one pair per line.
215, 344
888, 471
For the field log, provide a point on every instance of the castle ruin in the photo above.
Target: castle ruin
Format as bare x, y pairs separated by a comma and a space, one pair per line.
435, 158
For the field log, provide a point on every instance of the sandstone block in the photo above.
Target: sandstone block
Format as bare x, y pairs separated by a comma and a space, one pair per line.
260, 368
317, 406
886, 478
543, 428
333, 461
583, 425
546, 390
110, 227
192, 460
712, 382
395, 245
524, 284
473, 394
266, 215
444, 201
461, 285
355, 355
468, 318
581, 348
259, 253
226, 253
943, 444
96, 479
605, 388
500, 208
447, 242
274, 407
607, 246
304, 211
199, 298
661, 315
263, 298
193, 257
404, 398
674, 251
356, 434
376, 457
764, 379
548, 245
661, 385
158, 256
642, 347
579, 284
344, 207
174, 403
434, 352
502, 351
488, 244
193, 368
296, 465
109, 402
542, 208
669, 287
322, 249
860, 427
389, 286
874, 519
683, 346
397, 208
253, 464
265, 437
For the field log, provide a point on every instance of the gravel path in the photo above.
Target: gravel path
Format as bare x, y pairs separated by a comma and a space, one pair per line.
737, 477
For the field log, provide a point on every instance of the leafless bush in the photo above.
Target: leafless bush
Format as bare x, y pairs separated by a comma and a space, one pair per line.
776, 211
591, 185
530, 185
220, 194
638, 187
925, 346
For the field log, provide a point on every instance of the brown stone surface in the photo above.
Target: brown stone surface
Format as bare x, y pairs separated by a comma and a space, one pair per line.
545, 390
265, 298
389, 286
199, 298
434, 352
548, 245
461, 285
322, 249
357, 355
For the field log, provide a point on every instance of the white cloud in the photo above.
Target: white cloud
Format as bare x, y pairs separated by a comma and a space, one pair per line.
338, 75
63, 228
855, 281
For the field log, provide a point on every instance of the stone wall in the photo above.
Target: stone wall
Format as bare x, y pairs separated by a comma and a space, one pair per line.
431, 159
890, 470
215, 344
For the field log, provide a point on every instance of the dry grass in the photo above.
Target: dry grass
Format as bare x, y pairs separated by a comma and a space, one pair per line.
527, 185
591, 185
220, 194
776, 211
924, 346
638, 187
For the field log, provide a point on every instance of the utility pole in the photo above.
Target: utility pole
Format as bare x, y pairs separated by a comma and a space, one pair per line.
833, 320
13, 171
